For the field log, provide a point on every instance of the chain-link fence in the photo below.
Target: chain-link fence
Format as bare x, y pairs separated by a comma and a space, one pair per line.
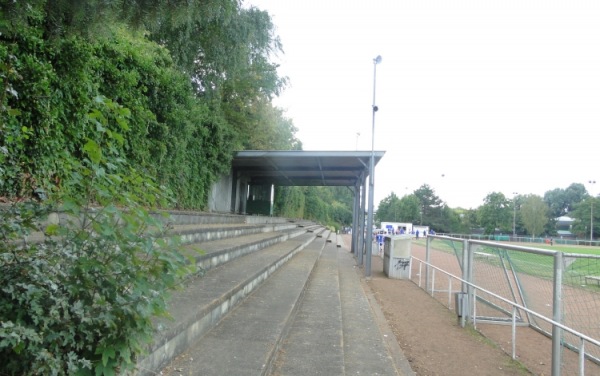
567, 290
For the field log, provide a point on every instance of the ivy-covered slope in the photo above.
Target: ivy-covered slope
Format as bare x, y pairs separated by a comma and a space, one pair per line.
186, 111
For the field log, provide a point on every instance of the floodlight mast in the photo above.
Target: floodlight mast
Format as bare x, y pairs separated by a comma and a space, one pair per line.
515, 214
369, 233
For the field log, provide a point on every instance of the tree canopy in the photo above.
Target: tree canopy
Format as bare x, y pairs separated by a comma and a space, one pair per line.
194, 77
534, 213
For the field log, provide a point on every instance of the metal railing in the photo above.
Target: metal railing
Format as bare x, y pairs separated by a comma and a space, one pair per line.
472, 297
527, 239
521, 280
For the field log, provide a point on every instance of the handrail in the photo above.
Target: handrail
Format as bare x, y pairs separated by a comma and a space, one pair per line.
581, 336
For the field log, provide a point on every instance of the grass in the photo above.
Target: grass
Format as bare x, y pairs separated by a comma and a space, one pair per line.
511, 363
576, 268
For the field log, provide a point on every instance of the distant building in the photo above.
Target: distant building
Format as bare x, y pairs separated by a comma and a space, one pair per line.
397, 227
403, 228
564, 225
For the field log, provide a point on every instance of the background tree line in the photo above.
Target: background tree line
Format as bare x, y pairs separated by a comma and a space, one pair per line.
529, 214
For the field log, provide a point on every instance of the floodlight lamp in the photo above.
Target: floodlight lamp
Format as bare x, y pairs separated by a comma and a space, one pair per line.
377, 60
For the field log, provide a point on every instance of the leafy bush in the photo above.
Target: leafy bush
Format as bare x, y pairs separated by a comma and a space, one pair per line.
77, 294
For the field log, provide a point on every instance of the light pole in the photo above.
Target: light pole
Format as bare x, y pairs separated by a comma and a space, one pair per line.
592, 182
515, 214
376, 61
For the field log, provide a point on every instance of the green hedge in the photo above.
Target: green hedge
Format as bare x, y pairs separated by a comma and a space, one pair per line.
51, 88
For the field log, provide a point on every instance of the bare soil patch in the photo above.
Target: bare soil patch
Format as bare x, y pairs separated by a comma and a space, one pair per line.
432, 340
429, 334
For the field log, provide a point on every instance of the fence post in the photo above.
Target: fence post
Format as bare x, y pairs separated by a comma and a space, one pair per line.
557, 314
467, 249
465, 289
428, 261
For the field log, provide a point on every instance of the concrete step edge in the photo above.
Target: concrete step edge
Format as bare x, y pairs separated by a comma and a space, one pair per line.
215, 353
200, 233
215, 257
176, 339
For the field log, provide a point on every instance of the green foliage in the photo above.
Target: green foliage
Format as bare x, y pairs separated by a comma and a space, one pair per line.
582, 213
81, 301
562, 201
388, 209
185, 120
177, 137
534, 214
50, 114
289, 202
99, 122
450, 222
78, 294
496, 213
422, 207
93, 17
327, 205
394, 209
468, 219
430, 203
316, 207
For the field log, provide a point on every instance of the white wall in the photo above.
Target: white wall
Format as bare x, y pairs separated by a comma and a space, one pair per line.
219, 198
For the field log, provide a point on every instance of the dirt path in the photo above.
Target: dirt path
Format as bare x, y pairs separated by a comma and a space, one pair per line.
429, 334
434, 343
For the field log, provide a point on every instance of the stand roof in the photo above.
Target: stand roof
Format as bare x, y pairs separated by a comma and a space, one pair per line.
305, 168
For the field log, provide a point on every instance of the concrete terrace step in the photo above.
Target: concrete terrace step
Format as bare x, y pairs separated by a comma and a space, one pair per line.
246, 342
366, 350
190, 217
314, 345
196, 233
218, 252
335, 332
312, 317
201, 304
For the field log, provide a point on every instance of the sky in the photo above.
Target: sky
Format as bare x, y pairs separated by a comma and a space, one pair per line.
474, 96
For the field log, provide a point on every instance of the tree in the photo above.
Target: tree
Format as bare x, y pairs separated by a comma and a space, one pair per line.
57, 66
289, 202
562, 201
331, 206
388, 209
315, 206
450, 222
468, 219
430, 204
495, 213
534, 214
582, 212
92, 17
410, 209
394, 209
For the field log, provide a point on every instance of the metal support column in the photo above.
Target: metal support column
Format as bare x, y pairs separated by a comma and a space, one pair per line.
428, 261
355, 211
234, 190
467, 275
362, 233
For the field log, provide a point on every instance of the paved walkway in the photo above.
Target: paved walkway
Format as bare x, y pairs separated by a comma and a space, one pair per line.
335, 327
